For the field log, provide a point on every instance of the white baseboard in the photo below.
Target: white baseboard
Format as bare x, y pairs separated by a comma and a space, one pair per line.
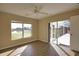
44, 41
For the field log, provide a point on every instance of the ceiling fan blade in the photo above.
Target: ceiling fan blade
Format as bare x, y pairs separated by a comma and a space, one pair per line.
43, 13
37, 8
28, 14
40, 7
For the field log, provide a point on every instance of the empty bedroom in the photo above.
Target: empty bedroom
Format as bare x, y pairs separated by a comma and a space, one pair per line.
39, 29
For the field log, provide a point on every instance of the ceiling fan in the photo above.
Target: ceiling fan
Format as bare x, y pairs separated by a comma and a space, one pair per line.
37, 10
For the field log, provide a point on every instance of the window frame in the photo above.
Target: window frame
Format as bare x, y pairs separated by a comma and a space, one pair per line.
22, 30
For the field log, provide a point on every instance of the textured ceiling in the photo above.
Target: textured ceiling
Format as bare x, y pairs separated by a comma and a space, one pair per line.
27, 9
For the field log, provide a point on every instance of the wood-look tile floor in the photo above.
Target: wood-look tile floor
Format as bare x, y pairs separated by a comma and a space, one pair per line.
68, 51
36, 48
39, 48
13, 52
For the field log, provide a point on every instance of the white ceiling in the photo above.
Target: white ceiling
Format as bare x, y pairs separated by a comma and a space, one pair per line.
26, 9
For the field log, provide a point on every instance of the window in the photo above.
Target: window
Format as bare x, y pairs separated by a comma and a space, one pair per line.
27, 30
20, 30
16, 30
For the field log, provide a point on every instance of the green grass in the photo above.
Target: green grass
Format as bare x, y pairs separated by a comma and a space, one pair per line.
27, 34
18, 35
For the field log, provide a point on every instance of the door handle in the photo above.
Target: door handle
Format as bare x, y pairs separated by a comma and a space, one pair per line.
71, 34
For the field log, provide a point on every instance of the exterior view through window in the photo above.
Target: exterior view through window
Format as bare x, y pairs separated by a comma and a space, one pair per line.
60, 32
20, 30
27, 30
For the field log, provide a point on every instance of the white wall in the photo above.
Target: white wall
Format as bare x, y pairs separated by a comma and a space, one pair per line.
74, 42
5, 30
43, 24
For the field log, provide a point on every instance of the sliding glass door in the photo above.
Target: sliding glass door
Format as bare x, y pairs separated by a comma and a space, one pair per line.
60, 32
53, 32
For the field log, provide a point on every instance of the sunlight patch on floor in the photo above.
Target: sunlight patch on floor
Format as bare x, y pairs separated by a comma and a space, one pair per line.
14, 52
